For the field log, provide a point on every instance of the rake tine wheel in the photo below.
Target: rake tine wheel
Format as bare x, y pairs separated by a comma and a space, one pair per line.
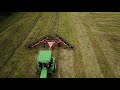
29, 46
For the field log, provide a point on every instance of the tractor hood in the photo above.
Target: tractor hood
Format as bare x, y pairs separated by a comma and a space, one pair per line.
44, 56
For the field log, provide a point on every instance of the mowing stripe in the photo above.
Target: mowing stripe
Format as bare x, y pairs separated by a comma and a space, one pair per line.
67, 31
25, 34
64, 29
66, 64
78, 58
90, 64
110, 55
104, 64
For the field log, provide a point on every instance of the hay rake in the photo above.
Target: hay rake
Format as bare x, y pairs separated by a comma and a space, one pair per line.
51, 41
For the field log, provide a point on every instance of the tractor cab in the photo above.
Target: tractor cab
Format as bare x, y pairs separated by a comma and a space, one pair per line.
45, 63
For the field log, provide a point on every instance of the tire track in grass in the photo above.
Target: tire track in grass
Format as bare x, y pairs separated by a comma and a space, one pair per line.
12, 53
92, 69
111, 56
104, 65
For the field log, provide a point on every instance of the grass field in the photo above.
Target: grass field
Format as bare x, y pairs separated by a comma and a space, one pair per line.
95, 36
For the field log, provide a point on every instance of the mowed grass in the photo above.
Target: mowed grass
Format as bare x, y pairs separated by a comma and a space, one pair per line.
6, 21
11, 38
107, 22
105, 41
95, 37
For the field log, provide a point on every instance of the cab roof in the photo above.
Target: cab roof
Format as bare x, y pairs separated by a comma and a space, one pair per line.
44, 56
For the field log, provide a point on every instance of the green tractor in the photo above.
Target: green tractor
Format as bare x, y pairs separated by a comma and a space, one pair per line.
45, 63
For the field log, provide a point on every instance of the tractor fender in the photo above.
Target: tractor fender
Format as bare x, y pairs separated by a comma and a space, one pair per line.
53, 65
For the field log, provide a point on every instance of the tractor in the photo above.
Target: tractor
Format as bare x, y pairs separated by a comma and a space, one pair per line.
45, 62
